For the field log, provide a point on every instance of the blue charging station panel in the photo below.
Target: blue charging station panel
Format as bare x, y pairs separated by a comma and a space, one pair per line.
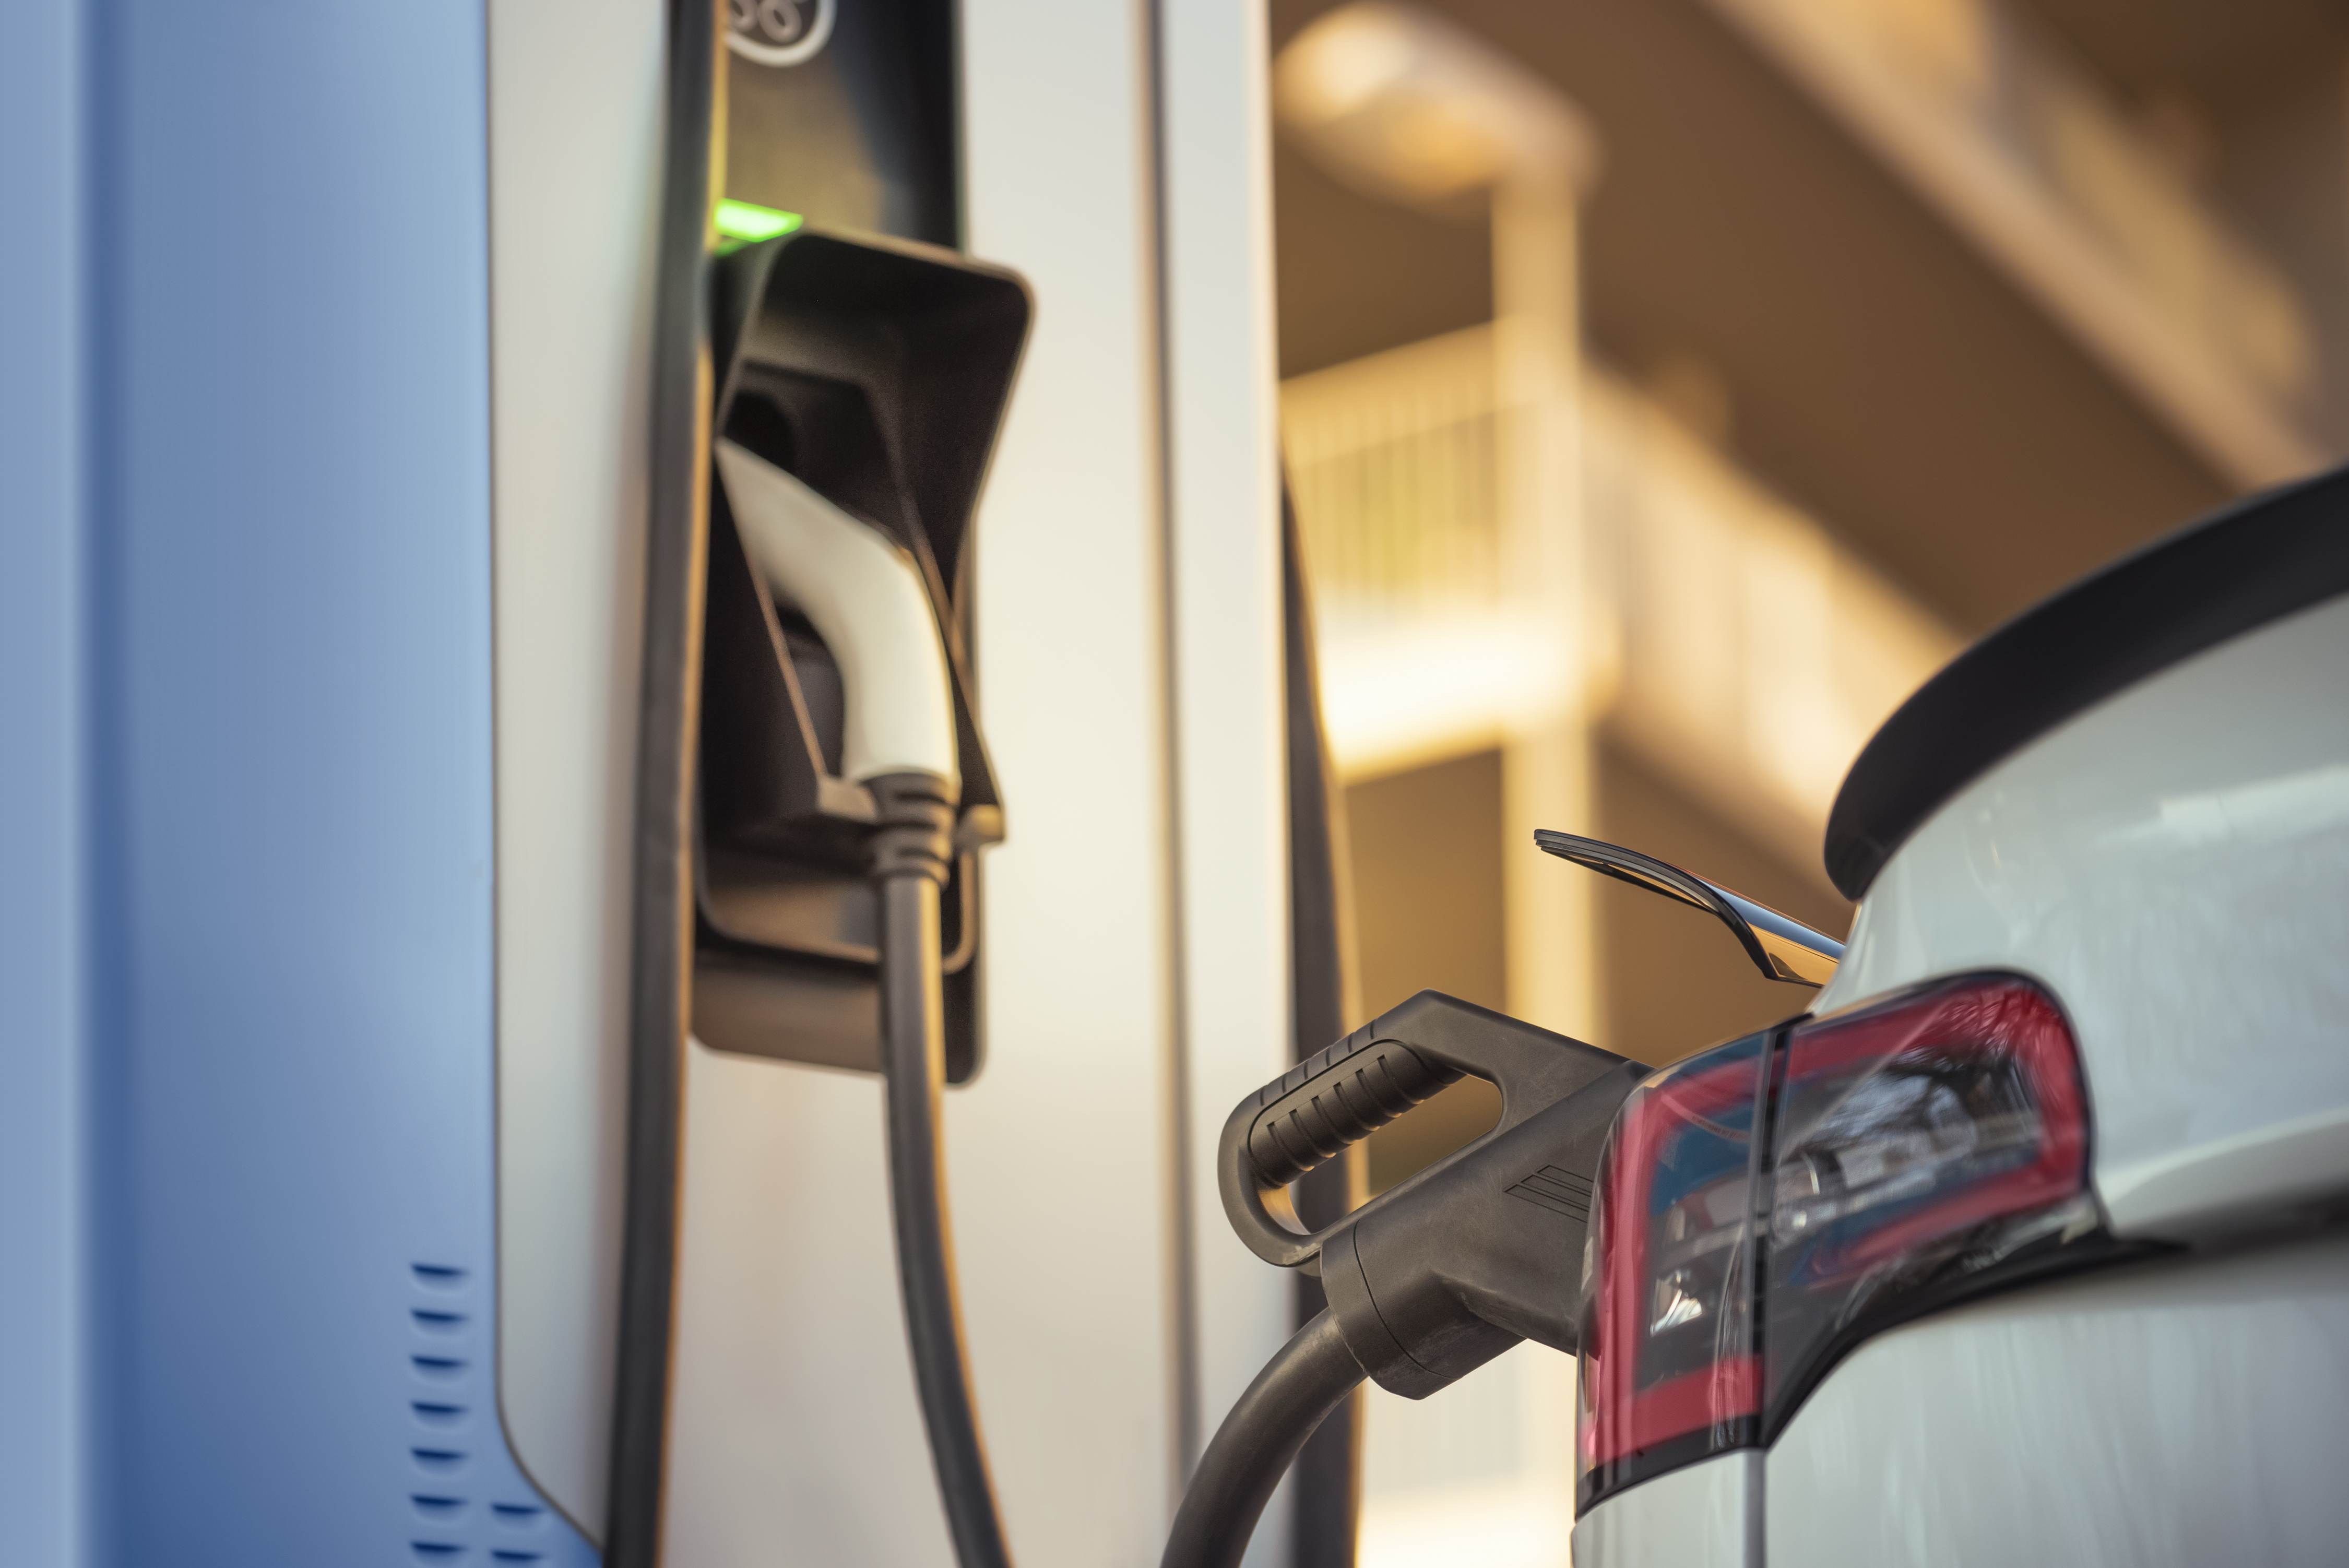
288, 830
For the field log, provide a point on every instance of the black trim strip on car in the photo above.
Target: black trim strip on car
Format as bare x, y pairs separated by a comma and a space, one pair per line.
2256, 561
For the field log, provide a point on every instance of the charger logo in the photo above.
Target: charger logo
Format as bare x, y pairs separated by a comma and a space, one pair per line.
778, 32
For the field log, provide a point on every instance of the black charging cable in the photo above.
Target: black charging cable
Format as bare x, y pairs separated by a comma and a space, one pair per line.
911, 855
1259, 1439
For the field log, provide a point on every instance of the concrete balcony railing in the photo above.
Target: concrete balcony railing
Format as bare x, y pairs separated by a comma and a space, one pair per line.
1723, 636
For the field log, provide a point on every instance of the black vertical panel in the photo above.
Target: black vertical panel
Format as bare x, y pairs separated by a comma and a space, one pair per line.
1329, 1472
861, 135
677, 541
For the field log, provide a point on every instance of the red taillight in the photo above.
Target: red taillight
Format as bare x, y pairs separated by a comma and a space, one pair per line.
1910, 1150
1933, 1136
1668, 1367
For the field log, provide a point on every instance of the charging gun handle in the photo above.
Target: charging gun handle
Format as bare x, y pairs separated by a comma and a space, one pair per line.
1345, 1093
1462, 1270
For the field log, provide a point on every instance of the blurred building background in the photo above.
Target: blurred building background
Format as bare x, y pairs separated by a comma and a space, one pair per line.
1669, 387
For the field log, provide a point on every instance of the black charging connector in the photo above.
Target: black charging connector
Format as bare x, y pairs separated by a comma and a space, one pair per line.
1428, 1280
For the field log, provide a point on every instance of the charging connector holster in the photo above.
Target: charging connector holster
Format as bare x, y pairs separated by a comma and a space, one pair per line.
876, 371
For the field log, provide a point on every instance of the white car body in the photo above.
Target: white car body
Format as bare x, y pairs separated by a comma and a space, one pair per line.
2171, 863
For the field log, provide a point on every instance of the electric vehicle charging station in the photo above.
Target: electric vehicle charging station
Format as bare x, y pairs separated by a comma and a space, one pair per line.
342, 764
781, 1192
490, 891
468, 1020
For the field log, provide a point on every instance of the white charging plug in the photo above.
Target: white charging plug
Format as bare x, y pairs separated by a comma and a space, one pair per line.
865, 596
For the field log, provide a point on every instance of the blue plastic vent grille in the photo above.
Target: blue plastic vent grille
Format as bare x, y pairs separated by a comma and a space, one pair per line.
467, 1503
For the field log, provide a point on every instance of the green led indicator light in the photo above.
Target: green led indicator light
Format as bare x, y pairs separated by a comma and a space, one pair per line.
741, 221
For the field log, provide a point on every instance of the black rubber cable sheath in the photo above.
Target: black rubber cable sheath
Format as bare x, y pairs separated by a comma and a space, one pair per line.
913, 1053
1255, 1445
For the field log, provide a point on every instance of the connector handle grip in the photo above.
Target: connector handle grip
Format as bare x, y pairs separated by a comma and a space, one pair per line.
1342, 1095
1335, 1098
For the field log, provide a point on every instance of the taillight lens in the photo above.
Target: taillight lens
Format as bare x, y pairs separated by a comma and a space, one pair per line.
1930, 1137
1910, 1152
1669, 1373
